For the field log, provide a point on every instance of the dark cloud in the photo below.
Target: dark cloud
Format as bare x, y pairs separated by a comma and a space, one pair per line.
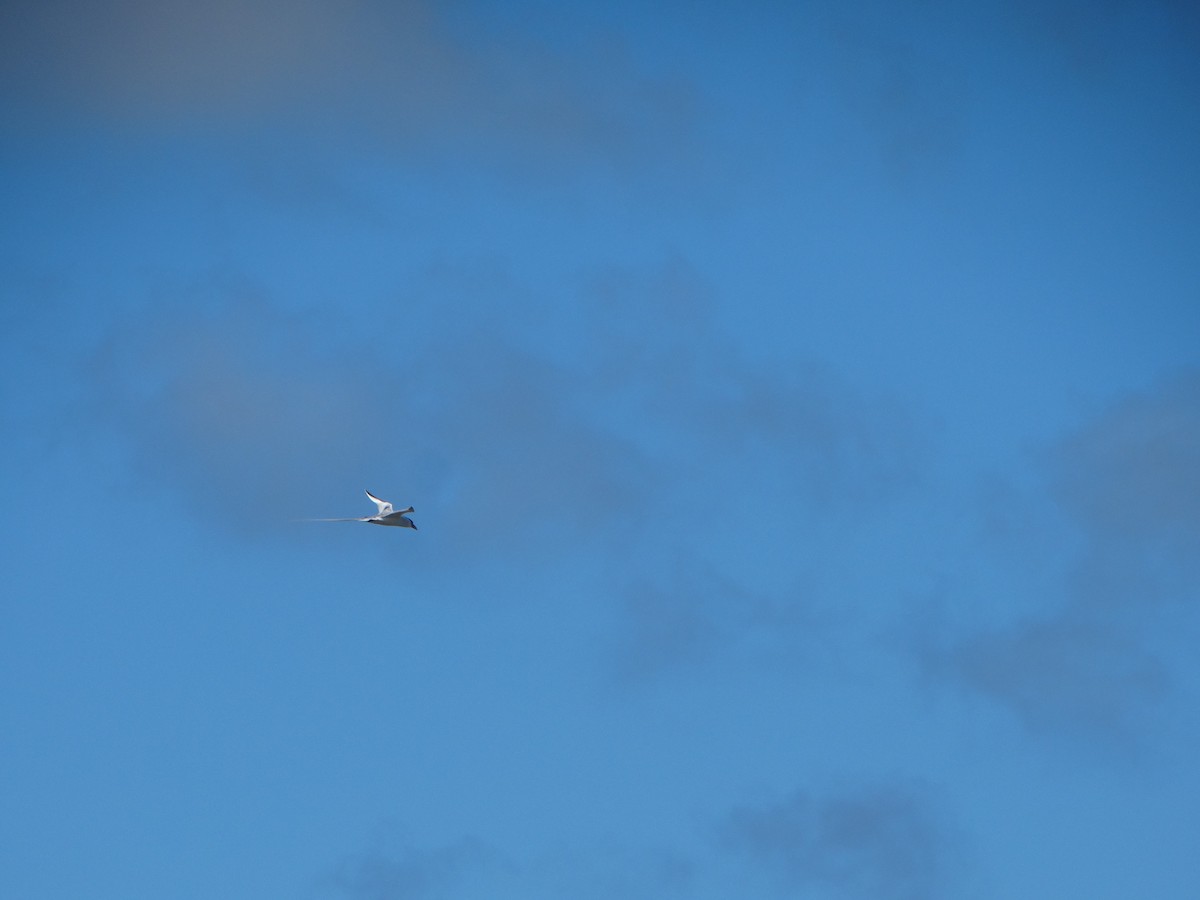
163, 58
662, 629
1128, 482
470, 868
258, 416
420, 77
1127, 491
881, 842
412, 874
911, 97
1069, 674
613, 868
708, 413
696, 617
307, 188
1100, 41
236, 405
1131, 477
660, 351
34, 328
873, 841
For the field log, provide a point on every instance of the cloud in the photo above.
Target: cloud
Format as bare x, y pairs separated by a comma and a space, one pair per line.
1098, 41
257, 416
663, 629
471, 868
1129, 477
659, 352
254, 412
882, 842
1127, 491
912, 98
1066, 674
156, 58
696, 617
236, 404
412, 874
721, 425
414, 76
616, 870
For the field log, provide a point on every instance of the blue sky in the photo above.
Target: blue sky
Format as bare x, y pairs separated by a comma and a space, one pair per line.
800, 404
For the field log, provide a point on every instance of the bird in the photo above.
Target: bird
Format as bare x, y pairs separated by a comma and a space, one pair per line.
385, 516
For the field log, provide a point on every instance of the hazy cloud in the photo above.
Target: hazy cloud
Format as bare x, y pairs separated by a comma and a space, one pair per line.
1069, 674
657, 358
237, 405
259, 415
1131, 476
468, 868
418, 76
163, 58
693, 616
911, 97
1128, 484
612, 868
1100, 40
410, 874
249, 408
660, 352
875, 842
871, 841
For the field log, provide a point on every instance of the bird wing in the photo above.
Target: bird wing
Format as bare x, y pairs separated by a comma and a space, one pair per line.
384, 507
363, 519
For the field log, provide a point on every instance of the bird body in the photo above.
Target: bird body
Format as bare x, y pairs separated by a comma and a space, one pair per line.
386, 515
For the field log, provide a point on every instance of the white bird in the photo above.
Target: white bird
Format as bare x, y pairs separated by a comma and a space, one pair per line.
385, 516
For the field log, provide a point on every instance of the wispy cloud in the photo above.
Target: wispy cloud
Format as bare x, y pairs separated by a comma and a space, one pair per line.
1066, 674
1130, 476
659, 351
708, 412
412, 75
1127, 487
1097, 41
692, 616
879, 840
469, 868
247, 408
912, 96
453, 870
258, 416
871, 842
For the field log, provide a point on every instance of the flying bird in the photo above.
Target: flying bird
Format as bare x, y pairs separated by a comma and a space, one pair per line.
385, 516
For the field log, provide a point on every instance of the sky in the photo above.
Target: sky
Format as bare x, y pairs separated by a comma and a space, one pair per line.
800, 404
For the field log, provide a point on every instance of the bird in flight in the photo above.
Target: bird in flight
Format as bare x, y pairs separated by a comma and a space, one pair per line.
385, 516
